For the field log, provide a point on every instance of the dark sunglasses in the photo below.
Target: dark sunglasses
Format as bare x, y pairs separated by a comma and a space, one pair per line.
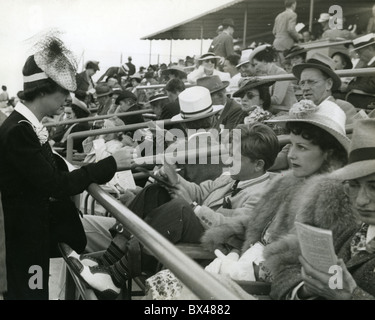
251, 95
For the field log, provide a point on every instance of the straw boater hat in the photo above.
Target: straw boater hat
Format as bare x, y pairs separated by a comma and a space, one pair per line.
196, 103
245, 54
249, 83
208, 55
328, 116
322, 62
361, 161
52, 61
212, 83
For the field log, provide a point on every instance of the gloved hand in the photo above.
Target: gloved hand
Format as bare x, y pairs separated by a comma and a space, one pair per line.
223, 263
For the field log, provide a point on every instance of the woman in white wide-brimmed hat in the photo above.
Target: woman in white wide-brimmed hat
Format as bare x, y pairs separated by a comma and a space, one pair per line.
207, 67
352, 223
35, 184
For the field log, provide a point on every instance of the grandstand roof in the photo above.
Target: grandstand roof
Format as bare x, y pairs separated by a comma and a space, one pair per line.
260, 18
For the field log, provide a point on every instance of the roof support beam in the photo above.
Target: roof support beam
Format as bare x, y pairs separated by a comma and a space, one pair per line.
244, 28
311, 15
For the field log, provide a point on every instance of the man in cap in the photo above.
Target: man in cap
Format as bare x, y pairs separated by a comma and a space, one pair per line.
103, 96
222, 44
284, 28
229, 116
85, 84
364, 46
317, 80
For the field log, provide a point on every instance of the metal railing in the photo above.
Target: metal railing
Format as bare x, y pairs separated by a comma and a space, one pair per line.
200, 282
95, 118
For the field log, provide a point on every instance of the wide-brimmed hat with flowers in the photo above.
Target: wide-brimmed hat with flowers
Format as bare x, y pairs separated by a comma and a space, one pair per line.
51, 61
361, 162
327, 115
195, 103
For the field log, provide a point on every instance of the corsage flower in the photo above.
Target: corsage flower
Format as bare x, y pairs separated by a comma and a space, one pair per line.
302, 109
40, 131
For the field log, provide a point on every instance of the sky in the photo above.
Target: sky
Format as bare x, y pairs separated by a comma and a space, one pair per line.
103, 30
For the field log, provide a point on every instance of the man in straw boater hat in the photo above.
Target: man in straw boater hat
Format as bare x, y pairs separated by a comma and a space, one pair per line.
364, 46
35, 184
317, 80
353, 229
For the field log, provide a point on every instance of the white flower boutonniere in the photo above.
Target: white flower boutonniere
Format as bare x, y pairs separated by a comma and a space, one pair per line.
40, 131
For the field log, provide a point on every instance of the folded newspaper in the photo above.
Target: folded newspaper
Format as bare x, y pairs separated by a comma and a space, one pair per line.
316, 246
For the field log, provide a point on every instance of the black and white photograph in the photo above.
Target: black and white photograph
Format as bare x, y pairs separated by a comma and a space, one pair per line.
176, 151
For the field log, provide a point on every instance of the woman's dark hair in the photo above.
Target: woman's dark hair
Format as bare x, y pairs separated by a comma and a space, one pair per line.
320, 138
266, 55
46, 86
264, 94
79, 112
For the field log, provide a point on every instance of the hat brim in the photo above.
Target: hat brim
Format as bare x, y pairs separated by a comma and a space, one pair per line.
297, 70
225, 84
355, 170
341, 138
209, 57
216, 109
168, 71
242, 63
296, 53
240, 92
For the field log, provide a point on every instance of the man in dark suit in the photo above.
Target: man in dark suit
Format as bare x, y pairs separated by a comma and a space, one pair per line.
232, 114
284, 28
222, 44
33, 179
85, 84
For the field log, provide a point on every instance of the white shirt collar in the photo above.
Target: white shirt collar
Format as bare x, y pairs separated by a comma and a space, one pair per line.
25, 111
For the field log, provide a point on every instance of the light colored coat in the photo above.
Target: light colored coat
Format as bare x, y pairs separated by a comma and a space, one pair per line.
210, 194
284, 30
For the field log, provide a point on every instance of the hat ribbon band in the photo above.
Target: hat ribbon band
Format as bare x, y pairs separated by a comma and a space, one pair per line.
185, 115
362, 154
35, 77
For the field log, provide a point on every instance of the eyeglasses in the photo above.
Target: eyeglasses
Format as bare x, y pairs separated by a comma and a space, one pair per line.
251, 95
352, 187
310, 83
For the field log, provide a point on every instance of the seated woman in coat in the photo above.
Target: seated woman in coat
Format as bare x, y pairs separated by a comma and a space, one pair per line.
318, 145
354, 241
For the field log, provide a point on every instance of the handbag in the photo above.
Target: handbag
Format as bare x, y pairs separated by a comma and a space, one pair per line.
65, 226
